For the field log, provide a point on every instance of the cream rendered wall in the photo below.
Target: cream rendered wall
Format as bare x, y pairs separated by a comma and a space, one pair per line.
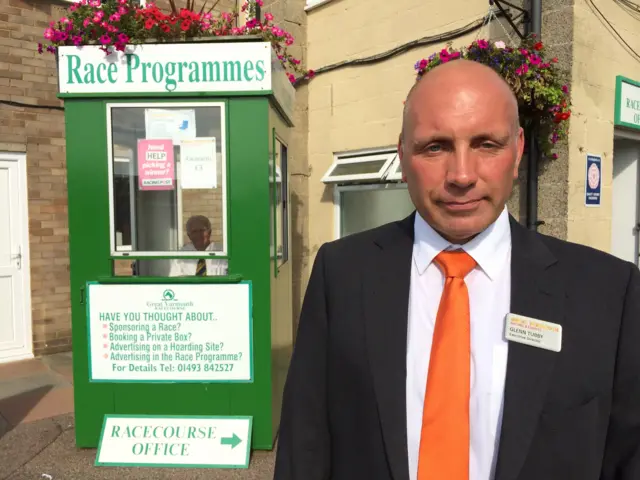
597, 58
361, 107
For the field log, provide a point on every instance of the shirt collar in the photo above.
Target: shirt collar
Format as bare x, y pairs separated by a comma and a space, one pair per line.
489, 249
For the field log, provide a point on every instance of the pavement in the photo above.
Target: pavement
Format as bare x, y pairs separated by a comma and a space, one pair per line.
37, 437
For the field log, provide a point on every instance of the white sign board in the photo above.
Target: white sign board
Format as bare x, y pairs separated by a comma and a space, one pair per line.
198, 163
162, 68
629, 107
189, 441
170, 333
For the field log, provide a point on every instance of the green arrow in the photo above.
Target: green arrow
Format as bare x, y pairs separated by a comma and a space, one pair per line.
233, 441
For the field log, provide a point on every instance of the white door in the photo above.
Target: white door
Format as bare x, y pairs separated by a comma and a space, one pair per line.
625, 218
15, 302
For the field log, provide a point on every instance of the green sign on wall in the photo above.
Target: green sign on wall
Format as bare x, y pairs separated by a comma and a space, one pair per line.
627, 111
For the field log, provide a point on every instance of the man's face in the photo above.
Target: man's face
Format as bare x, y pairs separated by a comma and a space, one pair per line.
460, 153
200, 236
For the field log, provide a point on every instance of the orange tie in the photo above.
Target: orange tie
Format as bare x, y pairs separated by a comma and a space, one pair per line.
444, 442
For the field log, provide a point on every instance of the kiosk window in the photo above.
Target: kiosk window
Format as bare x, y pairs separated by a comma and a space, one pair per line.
168, 184
279, 192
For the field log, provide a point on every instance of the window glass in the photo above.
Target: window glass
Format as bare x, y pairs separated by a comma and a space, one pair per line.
280, 194
365, 208
168, 180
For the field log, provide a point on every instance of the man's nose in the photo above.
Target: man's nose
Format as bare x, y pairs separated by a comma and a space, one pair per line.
461, 170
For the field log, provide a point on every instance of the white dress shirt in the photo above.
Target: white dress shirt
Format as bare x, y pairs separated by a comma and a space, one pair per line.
489, 286
186, 267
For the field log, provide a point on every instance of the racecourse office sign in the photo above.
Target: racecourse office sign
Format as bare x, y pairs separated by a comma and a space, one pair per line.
166, 68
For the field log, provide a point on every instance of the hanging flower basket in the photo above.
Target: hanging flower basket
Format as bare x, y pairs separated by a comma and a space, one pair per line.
114, 24
543, 99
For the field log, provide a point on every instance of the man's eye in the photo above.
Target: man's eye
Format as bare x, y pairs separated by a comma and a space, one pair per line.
434, 148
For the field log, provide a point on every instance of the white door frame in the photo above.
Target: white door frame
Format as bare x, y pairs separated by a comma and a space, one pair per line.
23, 214
633, 135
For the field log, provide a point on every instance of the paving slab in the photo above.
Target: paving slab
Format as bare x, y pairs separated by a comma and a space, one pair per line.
50, 444
23, 368
45, 402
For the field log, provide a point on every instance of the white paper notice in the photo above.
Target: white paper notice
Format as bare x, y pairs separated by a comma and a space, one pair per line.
176, 125
198, 163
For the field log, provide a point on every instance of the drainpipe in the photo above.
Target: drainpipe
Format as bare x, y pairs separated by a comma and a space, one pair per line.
533, 154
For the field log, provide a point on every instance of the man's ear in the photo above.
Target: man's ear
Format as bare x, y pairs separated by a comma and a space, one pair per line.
400, 155
520, 152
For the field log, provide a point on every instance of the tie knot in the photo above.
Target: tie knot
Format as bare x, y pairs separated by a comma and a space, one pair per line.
456, 264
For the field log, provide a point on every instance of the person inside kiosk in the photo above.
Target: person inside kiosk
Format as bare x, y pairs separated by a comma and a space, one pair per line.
199, 232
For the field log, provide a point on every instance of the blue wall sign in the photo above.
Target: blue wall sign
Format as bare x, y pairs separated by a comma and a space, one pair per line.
593, 184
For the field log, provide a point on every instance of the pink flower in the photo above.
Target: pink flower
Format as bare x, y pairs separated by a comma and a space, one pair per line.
123, 38
535, 59
123, 10
112, 29
207, 16
77, 40
122, 2
260, 3
292, 78
86, 22
524, 68
483, 44
500, 45
115, 17
73, 7
49, 33
268, 17
39, 48
295, 61
524, 52
105, 39
65, 20
95, 3
565, 89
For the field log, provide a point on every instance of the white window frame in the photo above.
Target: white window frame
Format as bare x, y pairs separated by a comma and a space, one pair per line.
337, 205
311, 4
223, 141
363, 156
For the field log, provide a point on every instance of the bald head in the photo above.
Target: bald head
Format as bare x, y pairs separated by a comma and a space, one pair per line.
460, 80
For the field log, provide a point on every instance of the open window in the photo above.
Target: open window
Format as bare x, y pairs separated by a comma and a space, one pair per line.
168, 179
359, 167
368, 190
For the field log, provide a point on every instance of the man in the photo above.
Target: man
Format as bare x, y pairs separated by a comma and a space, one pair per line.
401, 369
199, 232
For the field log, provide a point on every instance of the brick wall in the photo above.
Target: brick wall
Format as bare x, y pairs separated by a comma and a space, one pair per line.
29, 78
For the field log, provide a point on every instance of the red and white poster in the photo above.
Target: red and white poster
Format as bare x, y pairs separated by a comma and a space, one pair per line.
155, 165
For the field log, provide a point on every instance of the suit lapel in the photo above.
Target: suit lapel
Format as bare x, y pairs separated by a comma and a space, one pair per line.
386, 304
536, 291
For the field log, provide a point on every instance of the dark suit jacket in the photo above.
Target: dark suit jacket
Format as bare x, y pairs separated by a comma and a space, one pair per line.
572, 415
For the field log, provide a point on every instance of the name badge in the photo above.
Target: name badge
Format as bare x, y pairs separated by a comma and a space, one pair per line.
533, 332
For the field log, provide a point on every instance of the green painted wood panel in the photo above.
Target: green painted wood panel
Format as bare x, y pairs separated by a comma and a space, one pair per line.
248, 216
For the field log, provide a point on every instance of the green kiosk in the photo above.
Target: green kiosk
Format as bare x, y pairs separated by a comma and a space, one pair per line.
179, 238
